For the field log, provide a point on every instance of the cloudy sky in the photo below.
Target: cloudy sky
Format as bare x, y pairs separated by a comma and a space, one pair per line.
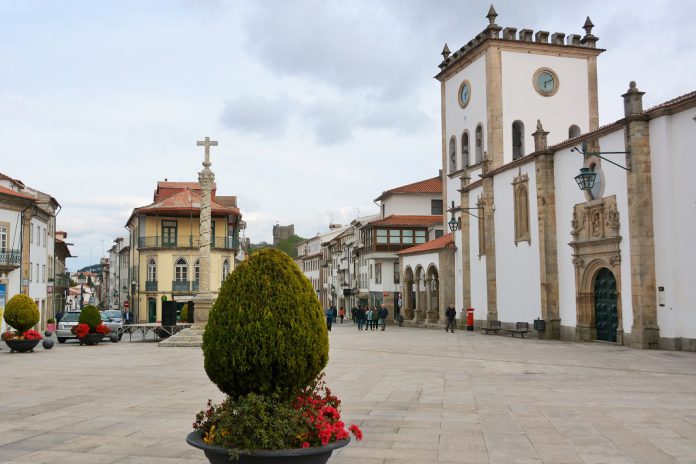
318, 106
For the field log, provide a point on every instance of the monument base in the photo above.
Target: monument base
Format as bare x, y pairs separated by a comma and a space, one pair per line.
192, 336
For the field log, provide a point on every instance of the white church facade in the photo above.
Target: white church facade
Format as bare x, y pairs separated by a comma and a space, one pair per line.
605, 253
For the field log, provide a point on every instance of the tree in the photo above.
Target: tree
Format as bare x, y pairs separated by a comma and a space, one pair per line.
289, 245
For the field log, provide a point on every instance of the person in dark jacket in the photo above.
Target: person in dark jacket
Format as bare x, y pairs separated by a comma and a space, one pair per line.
450, 315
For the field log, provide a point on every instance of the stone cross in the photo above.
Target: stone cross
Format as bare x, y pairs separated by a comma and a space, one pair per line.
207, 143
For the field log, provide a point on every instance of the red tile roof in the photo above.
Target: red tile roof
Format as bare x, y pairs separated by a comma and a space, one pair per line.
433, 185
6, 191
446, 241
184, 201
402, 220
674, 102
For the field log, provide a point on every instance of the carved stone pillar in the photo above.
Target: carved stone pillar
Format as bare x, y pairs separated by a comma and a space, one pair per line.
420, 313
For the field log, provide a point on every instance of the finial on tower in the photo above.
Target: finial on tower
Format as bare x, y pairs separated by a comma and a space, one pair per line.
445, 52
540, 137
491, 15
588, 26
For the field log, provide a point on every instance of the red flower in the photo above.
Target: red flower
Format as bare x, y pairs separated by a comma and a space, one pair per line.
81, 330
32, 335
102, 329
355, 430
305, 445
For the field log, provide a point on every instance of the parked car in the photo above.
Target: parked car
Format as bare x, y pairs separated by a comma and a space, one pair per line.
70, 320
115, 315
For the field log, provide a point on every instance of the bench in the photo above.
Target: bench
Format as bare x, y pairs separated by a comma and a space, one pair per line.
493, 327
521, 329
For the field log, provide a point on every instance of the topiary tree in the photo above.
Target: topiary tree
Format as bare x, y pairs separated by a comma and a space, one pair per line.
90, 315
183, 315
21, 313
266, 330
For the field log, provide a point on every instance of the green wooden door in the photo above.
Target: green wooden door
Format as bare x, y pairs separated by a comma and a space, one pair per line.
151, 310
606, 312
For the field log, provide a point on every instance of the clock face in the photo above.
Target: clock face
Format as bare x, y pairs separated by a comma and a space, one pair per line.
545, 82
464, 94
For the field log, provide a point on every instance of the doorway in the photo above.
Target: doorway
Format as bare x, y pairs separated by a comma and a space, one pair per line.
606, 310
151, 310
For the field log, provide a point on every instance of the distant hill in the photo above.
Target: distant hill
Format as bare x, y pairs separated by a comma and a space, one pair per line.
95, 268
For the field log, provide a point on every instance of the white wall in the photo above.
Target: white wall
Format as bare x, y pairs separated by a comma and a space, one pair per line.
479, 296
517, 266
570, 104
416, 204
672, 139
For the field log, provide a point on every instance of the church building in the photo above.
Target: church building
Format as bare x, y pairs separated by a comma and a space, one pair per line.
585, 230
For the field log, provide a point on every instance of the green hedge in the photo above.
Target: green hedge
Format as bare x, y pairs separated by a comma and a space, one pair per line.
90, 316
21, 313
266, 331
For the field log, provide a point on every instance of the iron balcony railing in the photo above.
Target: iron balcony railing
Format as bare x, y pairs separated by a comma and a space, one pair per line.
61, 281
10, 258
188, 241
150, 285
181, 286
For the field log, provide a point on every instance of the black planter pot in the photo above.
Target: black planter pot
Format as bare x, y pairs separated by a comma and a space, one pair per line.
91, 339
220, 455
21, 345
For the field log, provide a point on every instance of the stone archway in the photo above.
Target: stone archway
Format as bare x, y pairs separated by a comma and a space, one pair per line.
432, 290
408, 300
596, 245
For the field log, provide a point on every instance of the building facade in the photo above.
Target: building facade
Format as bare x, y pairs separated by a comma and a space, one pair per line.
164, 247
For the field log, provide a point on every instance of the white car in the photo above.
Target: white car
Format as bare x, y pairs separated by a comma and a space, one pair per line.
70, 320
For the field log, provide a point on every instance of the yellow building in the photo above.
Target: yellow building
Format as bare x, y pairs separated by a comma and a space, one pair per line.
165, 252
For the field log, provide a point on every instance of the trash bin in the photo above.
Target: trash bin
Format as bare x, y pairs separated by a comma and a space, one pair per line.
470, 319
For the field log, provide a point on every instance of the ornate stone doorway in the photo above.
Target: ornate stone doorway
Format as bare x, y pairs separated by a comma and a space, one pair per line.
606, 310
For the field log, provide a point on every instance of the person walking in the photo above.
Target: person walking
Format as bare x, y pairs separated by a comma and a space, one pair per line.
329, 318
368, 318
450, 315
383, 313
342, 313
360, 316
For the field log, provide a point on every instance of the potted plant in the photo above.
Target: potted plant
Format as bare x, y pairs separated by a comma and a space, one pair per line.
50, 325
21, 313
265, 346
90, 330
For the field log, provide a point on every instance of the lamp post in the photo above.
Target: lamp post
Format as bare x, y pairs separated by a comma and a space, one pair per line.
81, 280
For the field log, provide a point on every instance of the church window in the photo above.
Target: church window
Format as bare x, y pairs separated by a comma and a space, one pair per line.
465, 148
452, 155
517, 140
151, 270
481, 229
181, 270
479, 143
574, 131
225, 269
520, 188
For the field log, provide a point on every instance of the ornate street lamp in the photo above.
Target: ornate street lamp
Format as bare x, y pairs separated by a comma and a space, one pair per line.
586, 179
81, 279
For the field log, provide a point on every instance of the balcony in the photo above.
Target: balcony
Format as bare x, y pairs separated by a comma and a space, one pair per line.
151, 286
188, 241
181, 286
10, 259
61, 281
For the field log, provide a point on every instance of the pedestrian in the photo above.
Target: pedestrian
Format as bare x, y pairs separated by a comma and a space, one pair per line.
383, 313
450, 315
375, 318
334, 313
368, 317
360, 316
127, 316
342, 313
354, 314
329, 318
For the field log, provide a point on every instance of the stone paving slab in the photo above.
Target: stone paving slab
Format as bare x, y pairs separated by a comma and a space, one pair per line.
420, 396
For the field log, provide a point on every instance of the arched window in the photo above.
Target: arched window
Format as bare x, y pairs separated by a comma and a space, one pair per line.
520, 187
452, 155
197, 270
479, 143
181, 270
517, 140
465, 148
151, 270
574, 131
225, 269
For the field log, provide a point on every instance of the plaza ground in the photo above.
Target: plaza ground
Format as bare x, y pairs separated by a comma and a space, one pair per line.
420, 396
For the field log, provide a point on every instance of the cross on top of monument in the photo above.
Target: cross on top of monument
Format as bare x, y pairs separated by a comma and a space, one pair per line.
207, 143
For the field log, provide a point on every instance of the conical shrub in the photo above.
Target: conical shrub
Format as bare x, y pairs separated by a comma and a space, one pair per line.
266, 330
90, 315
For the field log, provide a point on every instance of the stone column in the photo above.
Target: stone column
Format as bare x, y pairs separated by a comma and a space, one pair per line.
420, 314
645, 332
489, 234
548, 249
204, 300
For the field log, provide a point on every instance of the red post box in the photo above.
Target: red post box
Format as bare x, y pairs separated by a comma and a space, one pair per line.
470, 319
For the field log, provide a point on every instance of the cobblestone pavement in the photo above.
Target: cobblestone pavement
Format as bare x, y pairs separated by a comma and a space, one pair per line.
420, 396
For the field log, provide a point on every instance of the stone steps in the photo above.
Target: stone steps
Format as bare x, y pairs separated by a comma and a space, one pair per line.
190, 337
